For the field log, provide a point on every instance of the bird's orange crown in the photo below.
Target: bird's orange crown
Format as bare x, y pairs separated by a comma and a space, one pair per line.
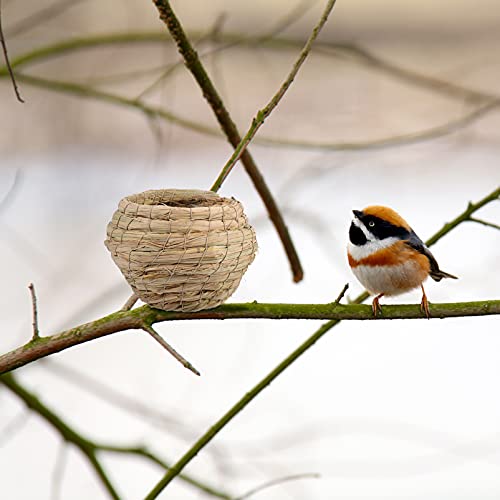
387, 214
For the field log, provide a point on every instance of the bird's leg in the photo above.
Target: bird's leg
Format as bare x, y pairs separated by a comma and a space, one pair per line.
424, 305
376, 306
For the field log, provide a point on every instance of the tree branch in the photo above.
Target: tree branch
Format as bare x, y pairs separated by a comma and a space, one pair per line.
89, 448
145, 315
64, 430
193, 63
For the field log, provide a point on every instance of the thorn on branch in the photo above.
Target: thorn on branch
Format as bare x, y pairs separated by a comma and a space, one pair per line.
7, 61
183, 361
36, 333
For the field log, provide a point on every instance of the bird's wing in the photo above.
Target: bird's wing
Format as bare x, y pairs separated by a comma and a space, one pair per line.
417, 244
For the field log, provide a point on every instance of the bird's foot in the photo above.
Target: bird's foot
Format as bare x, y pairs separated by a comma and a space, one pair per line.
424, 305
376, 308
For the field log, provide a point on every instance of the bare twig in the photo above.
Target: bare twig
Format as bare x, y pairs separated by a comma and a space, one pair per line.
193, 63
130, 302
262, 114
7, 61
41, 16
142, 451
341, 294
11, 193
15, 425
484, 223
183, 361
277, 482
36, 333
58, 473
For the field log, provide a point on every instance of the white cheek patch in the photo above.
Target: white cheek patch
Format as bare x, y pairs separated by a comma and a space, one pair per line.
372, 245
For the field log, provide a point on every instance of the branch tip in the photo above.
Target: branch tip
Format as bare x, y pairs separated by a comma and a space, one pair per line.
181, 359
36, 332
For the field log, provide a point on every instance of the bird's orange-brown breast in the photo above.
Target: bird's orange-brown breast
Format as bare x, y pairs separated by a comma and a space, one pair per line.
396, 254
387, 214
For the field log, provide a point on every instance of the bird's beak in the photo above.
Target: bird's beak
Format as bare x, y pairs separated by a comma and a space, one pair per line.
358, 213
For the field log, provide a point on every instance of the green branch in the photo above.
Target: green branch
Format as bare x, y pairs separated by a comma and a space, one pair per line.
89, 448
86, 447
145, 316
484, 102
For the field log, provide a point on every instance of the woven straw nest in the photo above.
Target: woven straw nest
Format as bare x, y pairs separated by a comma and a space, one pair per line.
181, 250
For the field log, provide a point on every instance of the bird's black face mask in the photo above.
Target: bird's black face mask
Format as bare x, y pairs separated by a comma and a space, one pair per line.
356, 235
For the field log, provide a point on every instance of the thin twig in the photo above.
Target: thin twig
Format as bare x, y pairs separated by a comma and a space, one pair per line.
277, 482
15, 425
12, 192
36, 333
58, 472
290, 359
130, 302
41, 17
7, 61
341, 294
142, 451
262, 114
484, 222
193, 63
183, 361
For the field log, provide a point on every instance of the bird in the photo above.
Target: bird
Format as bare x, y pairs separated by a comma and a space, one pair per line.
387, 257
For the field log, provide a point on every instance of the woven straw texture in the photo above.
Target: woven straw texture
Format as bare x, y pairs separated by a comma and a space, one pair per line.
181, 250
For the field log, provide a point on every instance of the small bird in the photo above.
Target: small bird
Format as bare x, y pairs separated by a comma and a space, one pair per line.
387, 257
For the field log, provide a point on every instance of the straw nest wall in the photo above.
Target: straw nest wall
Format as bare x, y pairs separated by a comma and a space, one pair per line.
181, 250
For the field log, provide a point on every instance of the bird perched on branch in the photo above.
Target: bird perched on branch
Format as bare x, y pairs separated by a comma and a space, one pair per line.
387, 257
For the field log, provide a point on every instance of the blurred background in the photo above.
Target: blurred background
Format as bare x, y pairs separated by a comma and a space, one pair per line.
396, 105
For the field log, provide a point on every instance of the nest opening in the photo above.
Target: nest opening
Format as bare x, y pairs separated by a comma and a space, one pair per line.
189, 203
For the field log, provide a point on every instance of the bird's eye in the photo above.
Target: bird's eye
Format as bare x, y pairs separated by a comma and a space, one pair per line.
371, 224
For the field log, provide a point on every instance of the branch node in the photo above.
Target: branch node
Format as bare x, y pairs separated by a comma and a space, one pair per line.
36, 332
183, 361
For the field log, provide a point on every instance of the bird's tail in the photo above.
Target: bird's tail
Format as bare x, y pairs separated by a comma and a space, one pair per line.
439, 275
